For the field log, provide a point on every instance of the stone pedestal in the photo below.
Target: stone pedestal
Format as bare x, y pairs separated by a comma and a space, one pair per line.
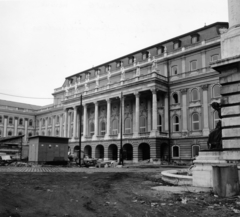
202, 172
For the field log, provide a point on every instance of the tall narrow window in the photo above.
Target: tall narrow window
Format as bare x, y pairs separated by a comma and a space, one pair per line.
216, 91
176, 151
115, 127
175, 98
174, 70
127, 125
10, 120
195, 150
103, 128
91, 129
194, 95
30, 123
193, 65
215, 119
195, 121
20, 121
142, 121
159, 123
175, 123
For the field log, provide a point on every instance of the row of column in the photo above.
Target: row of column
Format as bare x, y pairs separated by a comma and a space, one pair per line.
153, 126
5, 124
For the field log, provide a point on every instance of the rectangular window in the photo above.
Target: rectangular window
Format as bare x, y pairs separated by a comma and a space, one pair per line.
193, 65
174, 70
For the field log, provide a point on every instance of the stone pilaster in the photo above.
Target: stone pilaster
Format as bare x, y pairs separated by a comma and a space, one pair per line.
136, 130
69, 125
166, 112
75, 122
5, 126
149, 127
65, 122
203, 56
184, 112
123, 115
84, 120
40, 127
53, 124
205, 110
26, 129
183, 66
46, 126
61, 126
96, 121
108, 118
15, 126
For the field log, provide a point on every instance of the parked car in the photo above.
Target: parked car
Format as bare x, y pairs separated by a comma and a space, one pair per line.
85, 160
5, 160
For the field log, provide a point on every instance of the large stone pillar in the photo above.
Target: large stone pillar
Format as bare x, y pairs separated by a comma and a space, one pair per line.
46, 126
84, 120
69, 125
149, 115
123, 116
154, 131
61, 126
96, 121
26, 129
203, 55
65, 122
205, 110
108, 117
40, 127
183, 66
53, 124
166, 112
15, 126
5, 126
184, 112
136, 131
75, 122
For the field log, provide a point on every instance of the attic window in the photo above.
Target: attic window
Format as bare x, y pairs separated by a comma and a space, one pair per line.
176, 44
145, 55
195, 38
160, 50
131, 60
118, 64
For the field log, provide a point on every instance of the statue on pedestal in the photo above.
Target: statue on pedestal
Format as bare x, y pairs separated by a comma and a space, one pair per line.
215, 137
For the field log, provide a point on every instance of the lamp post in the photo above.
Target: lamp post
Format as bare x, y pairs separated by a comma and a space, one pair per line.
80, 131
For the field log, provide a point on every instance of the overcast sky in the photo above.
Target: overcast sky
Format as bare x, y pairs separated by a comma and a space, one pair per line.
42, 42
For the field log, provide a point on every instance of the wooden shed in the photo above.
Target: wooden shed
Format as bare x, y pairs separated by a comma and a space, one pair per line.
48, 149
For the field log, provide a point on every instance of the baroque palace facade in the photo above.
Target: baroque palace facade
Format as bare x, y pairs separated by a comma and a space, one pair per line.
167, 91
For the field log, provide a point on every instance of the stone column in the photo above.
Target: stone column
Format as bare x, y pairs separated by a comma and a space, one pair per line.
123, 115
108, 117
61, 126
65, 122
46, 126
166, 112
136, 132
165, 69
75, 122
154, 131
184, 112
26, 129
69, 125
53, 124
5, 126
149, 116
84, 120
205, 110
203, 55
96, 121
40, 127
15, 126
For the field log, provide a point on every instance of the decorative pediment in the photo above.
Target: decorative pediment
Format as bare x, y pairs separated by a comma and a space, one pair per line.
197, 109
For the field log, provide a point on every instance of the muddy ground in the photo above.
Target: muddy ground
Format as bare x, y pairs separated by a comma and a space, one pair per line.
103, 194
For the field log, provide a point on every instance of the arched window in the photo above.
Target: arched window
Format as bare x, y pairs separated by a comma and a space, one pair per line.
159, 123
175, 123
194, 94
30, 123
91, 129
9, 133
175, 151
215, 119
103, 128
10, 120
174, 70
20, 121
142, 121
127, 125
195, 150
216, 91
175, 98
115, 127
1, 119
195, 121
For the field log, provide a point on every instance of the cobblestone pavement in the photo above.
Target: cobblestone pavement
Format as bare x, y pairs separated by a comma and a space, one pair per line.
76, 169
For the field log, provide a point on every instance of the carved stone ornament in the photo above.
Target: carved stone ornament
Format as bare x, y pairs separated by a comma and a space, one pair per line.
103, 111
205, 86
114, 110
184, 91
127, 108
154, 65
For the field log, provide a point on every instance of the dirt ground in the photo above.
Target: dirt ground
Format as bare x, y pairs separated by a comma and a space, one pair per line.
105, 194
